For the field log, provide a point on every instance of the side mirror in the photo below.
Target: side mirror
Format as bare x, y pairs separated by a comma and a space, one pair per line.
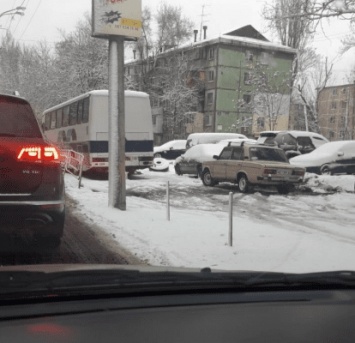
215, 157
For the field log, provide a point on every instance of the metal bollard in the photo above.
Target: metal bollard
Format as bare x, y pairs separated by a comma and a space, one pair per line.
230, 233
167, 201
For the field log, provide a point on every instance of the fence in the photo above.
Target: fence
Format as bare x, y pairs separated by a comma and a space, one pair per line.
72, 163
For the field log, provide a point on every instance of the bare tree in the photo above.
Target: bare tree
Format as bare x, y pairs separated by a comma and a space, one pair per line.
270, 97
81, 62
316, 10
310, 84
173, 27
179, 90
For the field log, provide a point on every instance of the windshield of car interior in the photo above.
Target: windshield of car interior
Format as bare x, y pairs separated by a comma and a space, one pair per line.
94, 192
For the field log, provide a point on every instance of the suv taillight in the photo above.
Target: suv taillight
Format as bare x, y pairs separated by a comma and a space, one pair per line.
38, 154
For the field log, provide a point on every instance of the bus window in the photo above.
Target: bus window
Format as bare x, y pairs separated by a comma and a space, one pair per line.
47, 121
85, 117
66, 116
59, 117
73, 112
80, 111
53, 120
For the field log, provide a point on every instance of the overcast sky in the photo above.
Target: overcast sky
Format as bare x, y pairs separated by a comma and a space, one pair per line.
44, 18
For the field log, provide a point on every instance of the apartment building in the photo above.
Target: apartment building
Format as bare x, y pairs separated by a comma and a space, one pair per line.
243, 85
336, 112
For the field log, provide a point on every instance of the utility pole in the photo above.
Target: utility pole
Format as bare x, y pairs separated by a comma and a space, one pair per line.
117, 21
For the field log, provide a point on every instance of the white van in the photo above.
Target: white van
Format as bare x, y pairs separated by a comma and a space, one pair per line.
210, 137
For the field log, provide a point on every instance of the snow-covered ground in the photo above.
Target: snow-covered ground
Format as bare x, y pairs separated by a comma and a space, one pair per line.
301, 232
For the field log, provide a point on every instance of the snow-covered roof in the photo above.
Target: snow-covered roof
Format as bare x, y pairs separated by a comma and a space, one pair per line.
231, 39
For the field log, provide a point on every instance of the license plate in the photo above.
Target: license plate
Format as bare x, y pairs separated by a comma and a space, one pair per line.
283, 172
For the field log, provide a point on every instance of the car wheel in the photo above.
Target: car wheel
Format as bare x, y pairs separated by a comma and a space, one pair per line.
325, 170
207, 179
283, 189
243, 184
177, 169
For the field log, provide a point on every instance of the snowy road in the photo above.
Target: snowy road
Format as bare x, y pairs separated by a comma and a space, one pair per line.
309, 230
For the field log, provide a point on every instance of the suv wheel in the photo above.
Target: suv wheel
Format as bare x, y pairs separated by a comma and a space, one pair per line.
243, 184
207, 178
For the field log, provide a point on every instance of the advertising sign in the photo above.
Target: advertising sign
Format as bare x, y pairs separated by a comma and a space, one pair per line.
117, 18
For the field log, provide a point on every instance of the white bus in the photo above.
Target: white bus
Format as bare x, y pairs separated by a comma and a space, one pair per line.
81, 124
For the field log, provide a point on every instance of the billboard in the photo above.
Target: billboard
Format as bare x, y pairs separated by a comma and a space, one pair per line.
117, 18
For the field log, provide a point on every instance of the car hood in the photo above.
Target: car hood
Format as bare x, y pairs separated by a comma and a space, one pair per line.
311, 160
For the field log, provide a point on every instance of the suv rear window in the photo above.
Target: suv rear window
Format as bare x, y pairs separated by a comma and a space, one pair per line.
17, 119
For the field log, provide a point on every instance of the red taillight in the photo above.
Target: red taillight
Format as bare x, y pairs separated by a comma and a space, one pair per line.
38, 154
269, 171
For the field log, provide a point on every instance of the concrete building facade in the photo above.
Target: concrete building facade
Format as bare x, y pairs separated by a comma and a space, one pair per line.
245, 85
336, 112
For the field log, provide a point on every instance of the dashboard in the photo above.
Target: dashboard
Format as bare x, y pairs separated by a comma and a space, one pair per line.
275, 316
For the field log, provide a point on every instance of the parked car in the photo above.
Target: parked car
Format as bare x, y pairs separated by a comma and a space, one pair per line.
160, 165
251, 165
191, 161
171, 150
294, 142
210, 137
31, 177
330, 158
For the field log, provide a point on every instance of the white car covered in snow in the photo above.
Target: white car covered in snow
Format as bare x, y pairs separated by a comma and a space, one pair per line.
330, 158
170, 150
191, 161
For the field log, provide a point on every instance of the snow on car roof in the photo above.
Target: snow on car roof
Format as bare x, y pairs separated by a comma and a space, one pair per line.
202, 151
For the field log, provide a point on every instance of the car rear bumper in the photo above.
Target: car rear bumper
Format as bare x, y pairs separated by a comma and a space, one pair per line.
32, 218
272, 181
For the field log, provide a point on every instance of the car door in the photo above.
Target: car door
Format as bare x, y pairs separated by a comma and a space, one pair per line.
219, 168
234, 164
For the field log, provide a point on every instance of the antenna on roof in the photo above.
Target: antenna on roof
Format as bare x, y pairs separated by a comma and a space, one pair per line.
203, 21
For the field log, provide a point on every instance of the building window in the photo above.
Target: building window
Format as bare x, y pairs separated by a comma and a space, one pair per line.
154, 118
211, 53
249, 56
247, 98
261, 122
333, 105
207, 120
247, 78
264, 58
335, 91
343, 104
210, 75
210, 98
342, 120
331, 134
332, 120
341, 134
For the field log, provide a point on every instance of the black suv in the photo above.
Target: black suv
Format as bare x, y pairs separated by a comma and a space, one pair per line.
31, 178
